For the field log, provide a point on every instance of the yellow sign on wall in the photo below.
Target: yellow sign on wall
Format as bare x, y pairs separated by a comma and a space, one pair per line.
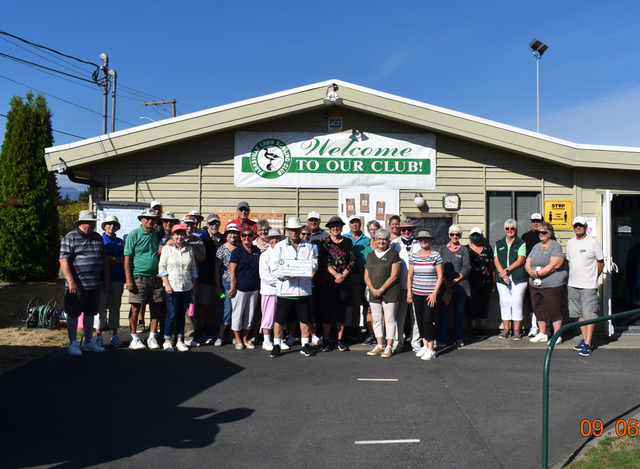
559, 213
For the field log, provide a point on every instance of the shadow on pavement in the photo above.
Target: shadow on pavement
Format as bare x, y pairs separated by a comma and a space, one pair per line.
62, 411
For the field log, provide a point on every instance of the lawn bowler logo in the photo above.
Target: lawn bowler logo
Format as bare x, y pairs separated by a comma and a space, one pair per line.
270, 158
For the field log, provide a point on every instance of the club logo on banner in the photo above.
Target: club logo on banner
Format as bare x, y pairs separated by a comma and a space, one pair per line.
303, 159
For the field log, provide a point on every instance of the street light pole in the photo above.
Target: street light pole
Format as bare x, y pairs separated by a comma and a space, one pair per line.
538, 49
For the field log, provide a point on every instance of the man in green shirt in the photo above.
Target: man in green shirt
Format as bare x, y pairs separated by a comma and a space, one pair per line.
142, 281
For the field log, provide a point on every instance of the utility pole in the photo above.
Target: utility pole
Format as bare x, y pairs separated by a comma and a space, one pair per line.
105, 89
155, 103
113, 100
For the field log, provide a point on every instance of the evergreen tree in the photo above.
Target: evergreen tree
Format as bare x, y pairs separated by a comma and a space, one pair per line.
29, 241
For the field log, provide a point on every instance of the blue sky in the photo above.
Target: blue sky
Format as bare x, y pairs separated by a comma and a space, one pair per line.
471, 57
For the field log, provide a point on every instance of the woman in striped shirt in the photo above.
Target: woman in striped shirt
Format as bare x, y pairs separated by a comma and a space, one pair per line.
423, 282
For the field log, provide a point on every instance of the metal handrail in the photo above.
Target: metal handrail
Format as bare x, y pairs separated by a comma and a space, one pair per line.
547, 365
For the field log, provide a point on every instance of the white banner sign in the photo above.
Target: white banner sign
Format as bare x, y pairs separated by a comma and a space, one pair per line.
304, 159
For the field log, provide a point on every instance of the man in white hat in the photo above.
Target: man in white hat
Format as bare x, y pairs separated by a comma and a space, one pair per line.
531, 238
360, 242
156, 206
405, 245
586, 262
114, 254
317, 233
86, 272
293, 292
141, 277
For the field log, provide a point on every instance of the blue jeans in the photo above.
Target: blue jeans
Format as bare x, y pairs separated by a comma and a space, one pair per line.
225, 320
457, 303
177, 304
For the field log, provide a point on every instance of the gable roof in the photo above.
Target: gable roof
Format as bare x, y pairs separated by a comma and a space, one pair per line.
305, 98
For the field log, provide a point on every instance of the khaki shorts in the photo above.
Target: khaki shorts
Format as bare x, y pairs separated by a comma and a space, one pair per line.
583, 302
147, 290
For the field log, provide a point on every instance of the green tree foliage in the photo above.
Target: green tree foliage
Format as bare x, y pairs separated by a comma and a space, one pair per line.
29, 241
68, 214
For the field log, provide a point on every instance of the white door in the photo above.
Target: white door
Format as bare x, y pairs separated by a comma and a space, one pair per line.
368, 204
609, 265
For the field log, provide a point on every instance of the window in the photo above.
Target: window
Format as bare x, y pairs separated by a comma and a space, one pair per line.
502, 205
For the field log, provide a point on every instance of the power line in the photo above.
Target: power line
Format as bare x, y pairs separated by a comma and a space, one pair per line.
49, 49
63, 100
16, 59
60, 63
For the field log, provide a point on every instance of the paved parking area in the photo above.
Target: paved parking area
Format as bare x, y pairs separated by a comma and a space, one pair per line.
472, 407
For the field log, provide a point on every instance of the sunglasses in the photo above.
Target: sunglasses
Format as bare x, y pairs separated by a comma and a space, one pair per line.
214, 223
509, 228
304, 233
243, 209
455, 235
246, 235
543, 232
406, 229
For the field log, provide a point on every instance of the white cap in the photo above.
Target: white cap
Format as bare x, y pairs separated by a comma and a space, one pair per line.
155, 203
313, 214
579, 221
536, 216
476, 229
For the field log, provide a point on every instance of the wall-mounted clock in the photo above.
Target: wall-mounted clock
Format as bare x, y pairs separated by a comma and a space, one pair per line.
451, 202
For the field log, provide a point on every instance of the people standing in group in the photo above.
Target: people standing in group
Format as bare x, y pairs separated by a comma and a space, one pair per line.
547, 278
456, 268
208, 302
336, 263
425, 279
586, 262
141, 280
481, 281
244, 287
510, 254
268, 281
381, 278
114, 255
405, 245
243, 221
86, 272
358, 303
293, 292
531, 239
223, 279
177, 269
